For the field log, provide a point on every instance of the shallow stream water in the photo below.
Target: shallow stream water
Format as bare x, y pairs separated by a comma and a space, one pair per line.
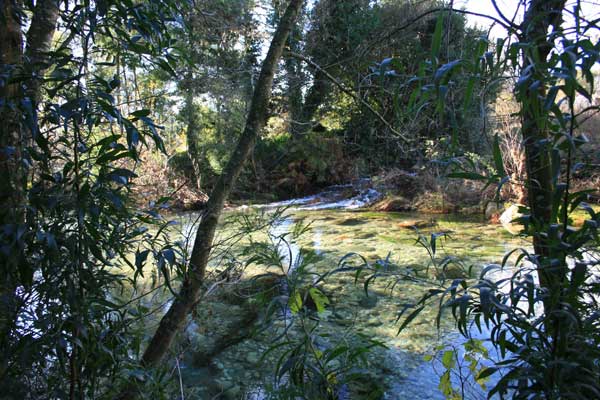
400, 369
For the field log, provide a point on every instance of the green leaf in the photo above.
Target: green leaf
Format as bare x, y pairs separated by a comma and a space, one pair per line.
436, 41
448, 359
468, 94
410, 317
295, 302
445, 385
140, 113
443, 73
319, 299
485, 373
336, 352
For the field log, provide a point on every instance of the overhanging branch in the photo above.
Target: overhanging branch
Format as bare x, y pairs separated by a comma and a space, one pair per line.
351, 94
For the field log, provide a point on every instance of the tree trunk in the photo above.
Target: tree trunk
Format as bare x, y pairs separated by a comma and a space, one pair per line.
11, 193
294, 93
192, 285
541, 15
314, 98
191, 135
39, 42
11, 57
17, 99
295, 80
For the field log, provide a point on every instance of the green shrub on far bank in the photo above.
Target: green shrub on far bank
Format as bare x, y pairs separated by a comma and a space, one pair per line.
281, 167
290, 167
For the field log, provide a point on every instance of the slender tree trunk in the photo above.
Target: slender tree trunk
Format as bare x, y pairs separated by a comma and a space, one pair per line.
314, 98
193, 283
541, 15
541, 19
191, 135
39, 42
295, 80
294, 93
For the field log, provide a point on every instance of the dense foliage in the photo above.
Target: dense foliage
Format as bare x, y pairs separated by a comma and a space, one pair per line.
114, 111
68, 226
539, 307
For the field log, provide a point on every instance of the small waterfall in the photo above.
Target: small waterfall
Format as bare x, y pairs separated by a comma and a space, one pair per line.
350, 197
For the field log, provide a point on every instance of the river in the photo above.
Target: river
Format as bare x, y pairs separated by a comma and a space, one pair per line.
385, 239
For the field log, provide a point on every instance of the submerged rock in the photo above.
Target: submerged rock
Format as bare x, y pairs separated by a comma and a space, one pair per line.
366, 299
253, 357
373, 322
394, 203
369, 301
367, 386
352, 222
234, 392
228, 318
367, 235
419, 223
452, 271
435, 203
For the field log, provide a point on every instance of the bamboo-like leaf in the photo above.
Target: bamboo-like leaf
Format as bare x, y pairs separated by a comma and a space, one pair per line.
436, 40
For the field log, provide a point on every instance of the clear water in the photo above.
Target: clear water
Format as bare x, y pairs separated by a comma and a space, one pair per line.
400, 368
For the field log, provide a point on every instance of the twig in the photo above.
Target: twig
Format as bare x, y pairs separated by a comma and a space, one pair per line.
442, 9
180, 379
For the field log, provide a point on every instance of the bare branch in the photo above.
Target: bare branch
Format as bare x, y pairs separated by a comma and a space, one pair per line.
446, 9
351, 94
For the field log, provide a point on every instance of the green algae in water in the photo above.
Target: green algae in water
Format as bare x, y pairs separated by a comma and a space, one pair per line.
234, 373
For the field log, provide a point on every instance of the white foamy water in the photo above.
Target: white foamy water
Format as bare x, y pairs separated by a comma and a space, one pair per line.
349, 197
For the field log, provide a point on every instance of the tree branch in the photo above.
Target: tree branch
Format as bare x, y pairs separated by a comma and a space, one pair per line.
351, 94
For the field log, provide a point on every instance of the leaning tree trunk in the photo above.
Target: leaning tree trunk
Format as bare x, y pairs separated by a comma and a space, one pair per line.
541, 15
39, 41
194, 281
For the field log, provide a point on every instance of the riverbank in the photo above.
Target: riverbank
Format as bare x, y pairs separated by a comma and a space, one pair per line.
393, 190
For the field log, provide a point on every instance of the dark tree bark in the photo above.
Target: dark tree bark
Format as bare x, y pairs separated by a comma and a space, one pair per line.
11, 59
541, 15
314, 98
191, 135
193, 283
39, 41
11, 194
31, 65
17, 99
